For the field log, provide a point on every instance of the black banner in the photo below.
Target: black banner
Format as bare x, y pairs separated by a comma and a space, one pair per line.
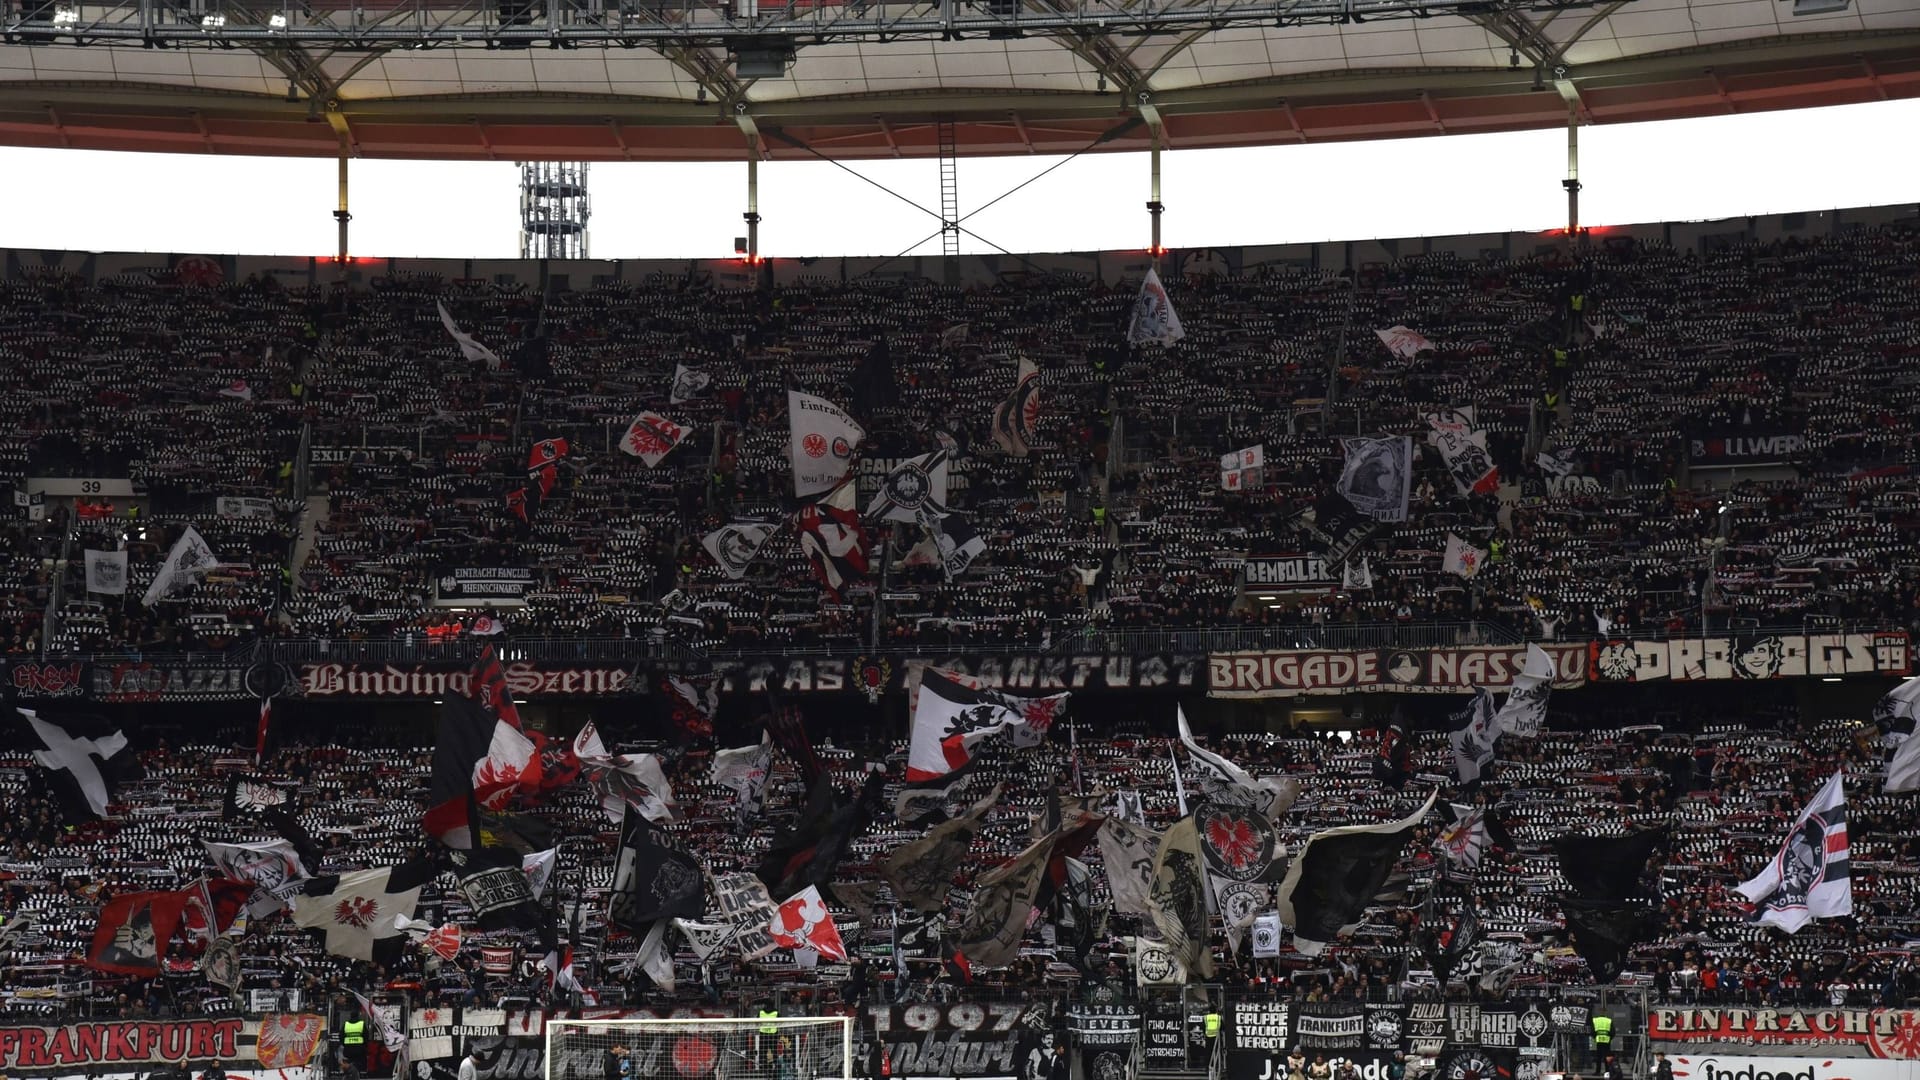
1474, 1063
1568, 1019
1386, 1025
1534, 1032
1105, 1036
1426, 1027
467, 584
35, 680
1463, 1024
1330, 1026
1164, 1040
999, 1038
1258, 1038
1499, 1027
1037, 673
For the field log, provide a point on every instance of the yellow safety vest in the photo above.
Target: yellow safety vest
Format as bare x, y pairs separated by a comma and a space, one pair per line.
1602, 1030
353, 1032
766, 1028
1213, 1024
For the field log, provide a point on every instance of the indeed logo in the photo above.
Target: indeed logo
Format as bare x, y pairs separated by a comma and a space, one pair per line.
1710, 1070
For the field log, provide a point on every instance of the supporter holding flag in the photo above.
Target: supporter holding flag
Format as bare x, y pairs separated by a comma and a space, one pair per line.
481, 757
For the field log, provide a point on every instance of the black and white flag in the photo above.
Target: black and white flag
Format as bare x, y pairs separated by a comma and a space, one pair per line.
1178, 897
735, 546
1524, 712
921, 871
1127, 849
106, 572
704, 937
688, 383
76, 750
1223, 781
357, 911
1377, 477
274, 868
189, 558
1243, 469
1811, 876
1337, 875
1014, 417
821, 440
956, 541
495, 885
1474, 732
744, 770
1356, 576
912, 489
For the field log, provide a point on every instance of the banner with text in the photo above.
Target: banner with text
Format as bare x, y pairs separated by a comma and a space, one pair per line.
1285, 672
1880, 1033
994, 1038
1755, 656
125, 1048
1258, 1037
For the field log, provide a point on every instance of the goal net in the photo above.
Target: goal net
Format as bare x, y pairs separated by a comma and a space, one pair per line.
781, 1048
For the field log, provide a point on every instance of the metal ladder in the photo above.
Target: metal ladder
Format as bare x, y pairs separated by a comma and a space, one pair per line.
949, 189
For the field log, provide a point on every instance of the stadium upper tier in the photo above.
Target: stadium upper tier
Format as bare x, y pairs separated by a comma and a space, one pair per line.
1718, 429
590, 80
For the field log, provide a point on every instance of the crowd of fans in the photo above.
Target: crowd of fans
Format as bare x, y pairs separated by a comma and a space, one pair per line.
377, 458
1726, 775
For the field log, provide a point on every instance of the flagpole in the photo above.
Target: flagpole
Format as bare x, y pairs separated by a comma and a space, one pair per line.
880, 591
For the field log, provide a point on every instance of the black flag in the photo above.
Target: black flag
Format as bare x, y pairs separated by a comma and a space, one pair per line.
1607, 868
1390, 761
492, 883
651, 880
1604, 933
1337, 875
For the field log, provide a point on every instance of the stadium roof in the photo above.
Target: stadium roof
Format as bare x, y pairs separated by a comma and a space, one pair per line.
664, 79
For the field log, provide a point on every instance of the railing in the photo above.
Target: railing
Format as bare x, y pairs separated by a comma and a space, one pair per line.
1085, 642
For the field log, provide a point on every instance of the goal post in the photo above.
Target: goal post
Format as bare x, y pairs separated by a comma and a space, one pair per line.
702, 1048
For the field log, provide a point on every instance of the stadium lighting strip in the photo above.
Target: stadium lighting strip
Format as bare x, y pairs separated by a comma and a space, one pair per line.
495, 24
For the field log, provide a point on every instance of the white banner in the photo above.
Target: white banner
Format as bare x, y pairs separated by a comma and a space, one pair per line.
821, 439
651, 437
107, 572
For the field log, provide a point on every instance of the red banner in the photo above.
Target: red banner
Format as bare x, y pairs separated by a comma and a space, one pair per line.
1885, 1033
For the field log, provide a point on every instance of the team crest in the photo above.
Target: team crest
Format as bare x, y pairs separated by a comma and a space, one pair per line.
872, 676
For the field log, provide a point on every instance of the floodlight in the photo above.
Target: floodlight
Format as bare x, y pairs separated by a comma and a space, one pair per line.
213, 22
66, 16
276, 21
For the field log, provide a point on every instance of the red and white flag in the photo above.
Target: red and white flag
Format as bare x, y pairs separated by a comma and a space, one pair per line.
651, 437
486, 626
1242, 469
238, 390
260, 733
832, 539
803, 922
1402, 342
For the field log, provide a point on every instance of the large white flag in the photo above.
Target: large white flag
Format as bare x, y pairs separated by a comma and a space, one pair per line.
107, 572
1464, 450
1811, 875
651, 437
1154, 321
190, 556
734, 546
744, 769
1226, 782
274, 868
538, 866
1525, 710
1462, 558
1356, 576
469, 348
1897, 714
821, 439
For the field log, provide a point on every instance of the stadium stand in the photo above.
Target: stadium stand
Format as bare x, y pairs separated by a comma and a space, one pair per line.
1689, 443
